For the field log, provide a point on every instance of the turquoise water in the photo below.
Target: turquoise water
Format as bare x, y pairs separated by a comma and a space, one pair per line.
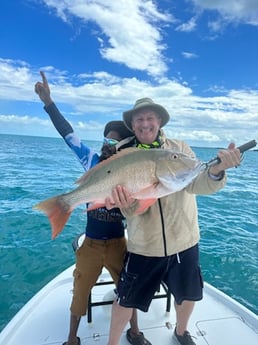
34, 168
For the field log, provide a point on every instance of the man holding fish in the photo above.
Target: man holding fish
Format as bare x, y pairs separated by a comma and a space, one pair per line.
104, 244
154, 184
163, 232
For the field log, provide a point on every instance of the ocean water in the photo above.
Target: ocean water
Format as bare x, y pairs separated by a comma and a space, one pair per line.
35, 168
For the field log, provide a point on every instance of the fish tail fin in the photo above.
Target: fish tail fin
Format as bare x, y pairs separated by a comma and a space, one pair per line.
57, 211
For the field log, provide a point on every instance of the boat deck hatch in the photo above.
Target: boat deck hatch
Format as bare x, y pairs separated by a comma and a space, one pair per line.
226, 331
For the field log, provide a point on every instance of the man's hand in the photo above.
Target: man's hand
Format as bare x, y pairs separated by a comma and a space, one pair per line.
121, 198
43, 90
229, 158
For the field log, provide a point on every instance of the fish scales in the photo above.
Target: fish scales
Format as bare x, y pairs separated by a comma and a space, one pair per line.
134, 170
147, 174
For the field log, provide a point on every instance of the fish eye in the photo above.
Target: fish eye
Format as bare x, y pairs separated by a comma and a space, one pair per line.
174, 156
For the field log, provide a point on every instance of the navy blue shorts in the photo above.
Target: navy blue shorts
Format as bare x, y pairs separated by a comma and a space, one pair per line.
142, 275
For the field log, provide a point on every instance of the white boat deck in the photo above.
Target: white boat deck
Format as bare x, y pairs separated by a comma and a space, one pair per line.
44, 320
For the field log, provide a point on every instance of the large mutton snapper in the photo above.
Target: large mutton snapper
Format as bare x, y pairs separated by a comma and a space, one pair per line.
147, 174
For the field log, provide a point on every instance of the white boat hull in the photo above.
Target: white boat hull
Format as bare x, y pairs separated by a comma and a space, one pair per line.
44, 320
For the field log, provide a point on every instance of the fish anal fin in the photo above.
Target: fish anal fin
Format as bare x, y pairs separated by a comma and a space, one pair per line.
95, 205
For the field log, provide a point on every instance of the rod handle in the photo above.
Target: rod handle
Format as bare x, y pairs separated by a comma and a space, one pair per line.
247, 146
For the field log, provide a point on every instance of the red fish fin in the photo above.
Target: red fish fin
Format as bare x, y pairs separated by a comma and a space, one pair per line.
144, 204
57, 213
95, 205
148, 192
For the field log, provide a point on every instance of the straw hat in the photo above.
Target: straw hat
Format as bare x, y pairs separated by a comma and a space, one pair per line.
146, 103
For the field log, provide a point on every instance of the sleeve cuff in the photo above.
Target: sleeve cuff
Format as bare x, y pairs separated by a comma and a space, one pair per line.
216, 177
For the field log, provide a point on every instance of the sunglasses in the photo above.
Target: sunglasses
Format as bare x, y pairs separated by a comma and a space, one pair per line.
110, 141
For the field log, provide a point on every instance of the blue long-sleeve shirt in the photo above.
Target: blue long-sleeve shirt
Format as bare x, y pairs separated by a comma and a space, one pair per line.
101, 223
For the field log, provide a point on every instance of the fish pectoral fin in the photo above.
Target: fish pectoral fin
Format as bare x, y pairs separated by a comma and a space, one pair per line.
95, 205
147, 192
155, 191
144, 204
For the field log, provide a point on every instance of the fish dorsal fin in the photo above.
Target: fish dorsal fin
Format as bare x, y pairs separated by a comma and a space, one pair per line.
122, 153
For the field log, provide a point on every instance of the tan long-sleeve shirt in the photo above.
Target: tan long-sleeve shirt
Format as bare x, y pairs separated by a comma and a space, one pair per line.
171, 224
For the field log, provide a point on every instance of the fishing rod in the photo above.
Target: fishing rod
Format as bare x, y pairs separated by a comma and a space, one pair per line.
247, 146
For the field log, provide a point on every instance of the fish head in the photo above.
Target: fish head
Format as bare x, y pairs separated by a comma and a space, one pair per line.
177, 170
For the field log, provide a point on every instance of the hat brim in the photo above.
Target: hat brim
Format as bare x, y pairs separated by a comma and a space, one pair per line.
161, 111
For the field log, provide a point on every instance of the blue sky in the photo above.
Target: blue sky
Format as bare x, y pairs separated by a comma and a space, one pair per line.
198, 58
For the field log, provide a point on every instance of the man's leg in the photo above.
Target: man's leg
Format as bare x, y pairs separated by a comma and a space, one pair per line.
119, 318
183, 313
134, 323
74, 325
88, 268
184, 281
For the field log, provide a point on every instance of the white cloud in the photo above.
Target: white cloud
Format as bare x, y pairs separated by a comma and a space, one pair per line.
218, 15
19, 82
189, 55
238, 11
228, 115
23, 120
189, 26
17, 79
26, 125
129, 31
